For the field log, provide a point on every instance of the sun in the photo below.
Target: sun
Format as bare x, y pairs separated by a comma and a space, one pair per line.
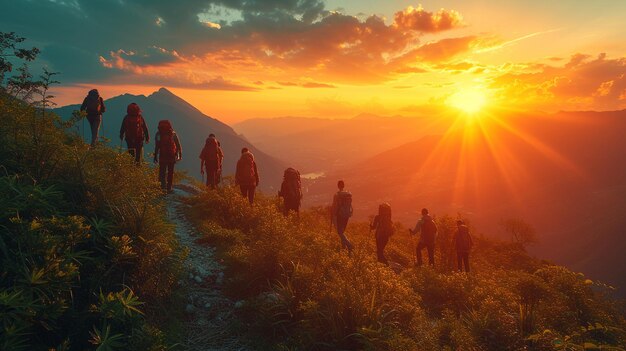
470, 101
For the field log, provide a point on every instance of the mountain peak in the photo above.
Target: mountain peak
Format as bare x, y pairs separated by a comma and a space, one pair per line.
162, 92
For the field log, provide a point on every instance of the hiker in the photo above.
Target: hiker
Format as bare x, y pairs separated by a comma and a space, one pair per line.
247, 175
384, 229
463, 243
340, 212
428, 229
167, 151
211, 161
135, 130
291, 191
93, 105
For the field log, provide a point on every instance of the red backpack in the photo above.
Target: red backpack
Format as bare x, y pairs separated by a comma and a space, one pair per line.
167, 146
292, 188
245, 169
133, 127
209, 152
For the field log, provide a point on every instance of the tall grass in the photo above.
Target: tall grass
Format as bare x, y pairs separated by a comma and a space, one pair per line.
301, 292
87, 257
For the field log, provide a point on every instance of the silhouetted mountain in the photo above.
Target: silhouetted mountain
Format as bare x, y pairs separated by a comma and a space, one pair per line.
192, 126
565, 174
320, 144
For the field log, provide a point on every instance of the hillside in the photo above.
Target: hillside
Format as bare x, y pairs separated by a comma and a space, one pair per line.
321, 145
192, 126
560, 173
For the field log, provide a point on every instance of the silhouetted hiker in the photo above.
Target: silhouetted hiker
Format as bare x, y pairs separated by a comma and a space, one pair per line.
167, 151
291, 190
463, 243
93, 105
211, 160
428, 229
247, 175
384, 229
135, 130
340, 212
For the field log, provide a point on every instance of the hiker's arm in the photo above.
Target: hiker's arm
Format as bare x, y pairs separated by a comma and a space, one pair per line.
83, 107
201, 165
103, 109
145, 130
256, 174
418, 227
179, 149
375, 223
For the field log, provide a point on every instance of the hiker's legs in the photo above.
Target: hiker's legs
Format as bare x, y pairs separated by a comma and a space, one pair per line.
342, 223
381, 242
251, 190
170, 175
138, 152
94, 123
130, 146
418, 252
211, 174
135, 149
431, 254
247, 190
466, 261
162, 170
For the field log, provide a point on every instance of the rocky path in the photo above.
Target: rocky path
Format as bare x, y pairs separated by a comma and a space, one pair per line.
209, 314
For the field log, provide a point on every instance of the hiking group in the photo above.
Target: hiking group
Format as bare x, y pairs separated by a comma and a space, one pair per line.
168, 151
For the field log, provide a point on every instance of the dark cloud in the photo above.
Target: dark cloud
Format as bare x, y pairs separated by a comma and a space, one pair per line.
96, 40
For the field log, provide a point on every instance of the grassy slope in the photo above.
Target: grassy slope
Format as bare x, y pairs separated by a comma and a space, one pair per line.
87, 258
301, 292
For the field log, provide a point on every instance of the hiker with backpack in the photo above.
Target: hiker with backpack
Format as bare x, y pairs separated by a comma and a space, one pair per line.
428, 232
135, 131
167, 151
463, 243
211, 158
291, 191
93, 105
384, 229
247, 175
340, 212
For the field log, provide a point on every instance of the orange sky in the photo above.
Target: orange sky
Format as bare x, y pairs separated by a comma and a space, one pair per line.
393, 58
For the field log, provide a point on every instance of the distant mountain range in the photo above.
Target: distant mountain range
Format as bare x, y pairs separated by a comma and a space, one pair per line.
565, 174
322, 145
192, 126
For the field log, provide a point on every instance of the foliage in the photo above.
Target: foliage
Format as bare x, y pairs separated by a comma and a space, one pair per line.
87, 259
301, 291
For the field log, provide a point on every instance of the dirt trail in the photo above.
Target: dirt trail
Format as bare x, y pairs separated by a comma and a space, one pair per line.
210, 315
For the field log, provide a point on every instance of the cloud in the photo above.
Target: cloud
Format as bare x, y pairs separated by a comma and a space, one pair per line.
421, 20
583, 82
253, 39
445, 49
307, 85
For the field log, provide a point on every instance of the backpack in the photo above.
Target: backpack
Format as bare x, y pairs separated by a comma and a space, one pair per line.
344, 204
133, 127
292, 185
429, 230
210, 150
167, 146
92, 103
245, 169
